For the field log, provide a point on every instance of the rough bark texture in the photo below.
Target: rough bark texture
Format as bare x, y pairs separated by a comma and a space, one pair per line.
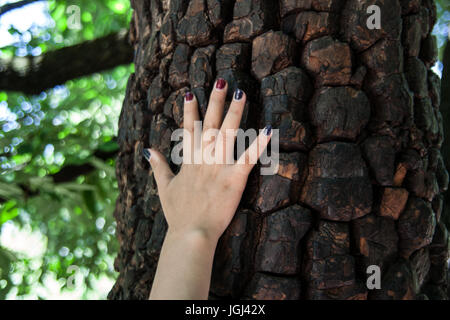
444, 211
361, 176
443, 97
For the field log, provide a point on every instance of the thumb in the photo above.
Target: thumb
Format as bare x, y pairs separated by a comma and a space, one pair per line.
161, 170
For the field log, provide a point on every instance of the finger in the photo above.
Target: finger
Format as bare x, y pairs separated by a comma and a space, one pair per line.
161, 170
227, 136
214, 113
250, 157
190, 116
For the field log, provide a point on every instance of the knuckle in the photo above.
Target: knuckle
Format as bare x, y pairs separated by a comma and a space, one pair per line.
242, 169
228, 134
217, 98
234, 111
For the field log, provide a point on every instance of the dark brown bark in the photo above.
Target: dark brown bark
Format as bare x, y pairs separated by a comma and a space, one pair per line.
443, 97
32, 75
361, 176
443, 202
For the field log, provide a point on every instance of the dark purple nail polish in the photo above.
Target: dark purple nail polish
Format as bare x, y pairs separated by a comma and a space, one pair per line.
238, 94
189, 96
147, 154
220, 83
268, 130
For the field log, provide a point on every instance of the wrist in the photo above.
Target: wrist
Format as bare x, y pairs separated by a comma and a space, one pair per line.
194, 237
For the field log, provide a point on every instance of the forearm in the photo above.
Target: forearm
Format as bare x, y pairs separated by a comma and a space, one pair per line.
184, 267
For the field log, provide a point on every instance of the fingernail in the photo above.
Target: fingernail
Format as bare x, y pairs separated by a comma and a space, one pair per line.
220, 83
268, 130
189, 96
238, 94
146, 153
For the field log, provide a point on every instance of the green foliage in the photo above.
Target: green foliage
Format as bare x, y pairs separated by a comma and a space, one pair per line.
9, 209
441, 29
43, 134
7, 258
96, 19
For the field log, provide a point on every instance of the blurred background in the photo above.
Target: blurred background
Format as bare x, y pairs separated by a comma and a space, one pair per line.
63, 72
57, 146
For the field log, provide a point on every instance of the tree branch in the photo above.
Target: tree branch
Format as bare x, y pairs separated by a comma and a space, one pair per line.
32, 75
15, 5
69, 172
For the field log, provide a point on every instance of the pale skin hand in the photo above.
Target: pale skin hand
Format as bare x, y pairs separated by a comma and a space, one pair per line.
201, 200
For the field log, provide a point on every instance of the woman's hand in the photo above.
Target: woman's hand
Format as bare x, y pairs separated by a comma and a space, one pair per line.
201, 200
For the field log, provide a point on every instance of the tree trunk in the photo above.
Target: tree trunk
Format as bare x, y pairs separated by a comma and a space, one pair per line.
445, 107
361, 176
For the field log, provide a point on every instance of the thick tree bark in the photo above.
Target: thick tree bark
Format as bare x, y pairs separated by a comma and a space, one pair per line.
445, 110
361, 175
32, 75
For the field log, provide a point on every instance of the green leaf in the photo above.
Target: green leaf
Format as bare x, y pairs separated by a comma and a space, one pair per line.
89, 201
9, 211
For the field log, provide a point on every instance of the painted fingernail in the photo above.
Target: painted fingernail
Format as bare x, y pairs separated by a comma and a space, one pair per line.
268, 130
147, 154
220, 83
189, 96
238, 94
